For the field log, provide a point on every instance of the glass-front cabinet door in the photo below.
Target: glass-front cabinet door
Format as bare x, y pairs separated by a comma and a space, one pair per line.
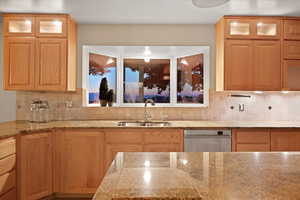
291, 74
267, 29
238, 28
51, 26
19, 25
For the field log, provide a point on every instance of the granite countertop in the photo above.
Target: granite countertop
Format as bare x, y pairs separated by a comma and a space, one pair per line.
15, 127
202, 176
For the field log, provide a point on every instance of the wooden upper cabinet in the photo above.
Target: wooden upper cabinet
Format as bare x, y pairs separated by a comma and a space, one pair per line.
239, 65
253, 28
19, 63
239, 28
267, 65
35, 170
51, 64
292, 29
291, 74
45, 61
19, 25
51, 26
285, 140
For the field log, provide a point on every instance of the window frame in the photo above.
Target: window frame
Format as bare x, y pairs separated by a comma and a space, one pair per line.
87, 49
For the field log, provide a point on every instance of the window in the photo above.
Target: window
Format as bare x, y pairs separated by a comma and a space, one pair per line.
128, 75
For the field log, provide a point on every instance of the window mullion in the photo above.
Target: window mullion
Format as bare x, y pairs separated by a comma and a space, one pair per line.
173, 81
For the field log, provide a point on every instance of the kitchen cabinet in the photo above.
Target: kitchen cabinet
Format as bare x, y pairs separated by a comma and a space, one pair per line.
250, 140
19, 25
291, 29
35, 166
291, 74
79, 157
237, 27
7, 169
19, 63
51, 26
51, 73
239, 56
267, 65
292, 50
285, 140
248, 55
45, 61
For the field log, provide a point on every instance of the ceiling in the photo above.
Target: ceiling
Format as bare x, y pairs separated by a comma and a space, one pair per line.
150, 11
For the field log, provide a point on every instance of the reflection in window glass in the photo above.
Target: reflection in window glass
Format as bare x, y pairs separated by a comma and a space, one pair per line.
190, 78
145, 79
102, 79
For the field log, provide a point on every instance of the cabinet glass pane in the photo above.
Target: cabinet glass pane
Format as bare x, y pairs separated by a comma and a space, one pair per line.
293, 74
19, 26
146, 79
266, 29
51, 26
102, 79
190, 79
239, 28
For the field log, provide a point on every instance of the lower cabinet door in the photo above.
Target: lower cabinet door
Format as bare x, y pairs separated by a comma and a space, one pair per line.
285, 140
11, 195
79, 156
35, 166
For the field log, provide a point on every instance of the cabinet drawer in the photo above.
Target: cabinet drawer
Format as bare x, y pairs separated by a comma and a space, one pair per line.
252, 136
167, 136
7, 164
7, 147
11, 195
292, 49
252, 147
292, 29
127, 136
7, 182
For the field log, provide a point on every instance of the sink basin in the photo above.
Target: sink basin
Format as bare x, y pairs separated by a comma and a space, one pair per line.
143, 124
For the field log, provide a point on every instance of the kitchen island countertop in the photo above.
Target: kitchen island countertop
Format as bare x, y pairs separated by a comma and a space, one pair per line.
202, 176
13, 128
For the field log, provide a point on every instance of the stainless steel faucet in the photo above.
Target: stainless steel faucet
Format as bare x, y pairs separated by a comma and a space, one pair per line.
147, 115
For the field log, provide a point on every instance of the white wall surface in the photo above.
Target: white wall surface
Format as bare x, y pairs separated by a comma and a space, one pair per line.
7, 99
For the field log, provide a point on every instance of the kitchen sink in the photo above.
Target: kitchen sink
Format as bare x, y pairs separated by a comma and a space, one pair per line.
143, 124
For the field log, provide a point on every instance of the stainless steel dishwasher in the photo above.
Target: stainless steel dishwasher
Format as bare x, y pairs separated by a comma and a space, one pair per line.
207, 140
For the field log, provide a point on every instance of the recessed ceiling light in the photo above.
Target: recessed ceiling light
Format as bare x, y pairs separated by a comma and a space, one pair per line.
209, 3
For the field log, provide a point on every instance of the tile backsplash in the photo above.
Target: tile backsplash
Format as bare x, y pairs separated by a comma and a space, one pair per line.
222, 106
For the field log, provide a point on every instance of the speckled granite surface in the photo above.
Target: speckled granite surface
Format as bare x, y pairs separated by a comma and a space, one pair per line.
13, 128
202, 176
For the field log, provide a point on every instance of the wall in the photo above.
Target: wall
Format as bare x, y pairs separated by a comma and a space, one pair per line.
7, 99
147, 35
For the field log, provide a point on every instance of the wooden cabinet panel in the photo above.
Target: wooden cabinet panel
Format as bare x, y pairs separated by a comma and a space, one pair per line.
291, 50
7, 182
11, 195
163, 136
292, 29
19, 63
111, 151
163, 148
267, 65
291, 74
51, 64
7, 164
7, 147
18, 25
35, 166
124, 136
285, 140
253, 140
239, 65
81, 154
51, 26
